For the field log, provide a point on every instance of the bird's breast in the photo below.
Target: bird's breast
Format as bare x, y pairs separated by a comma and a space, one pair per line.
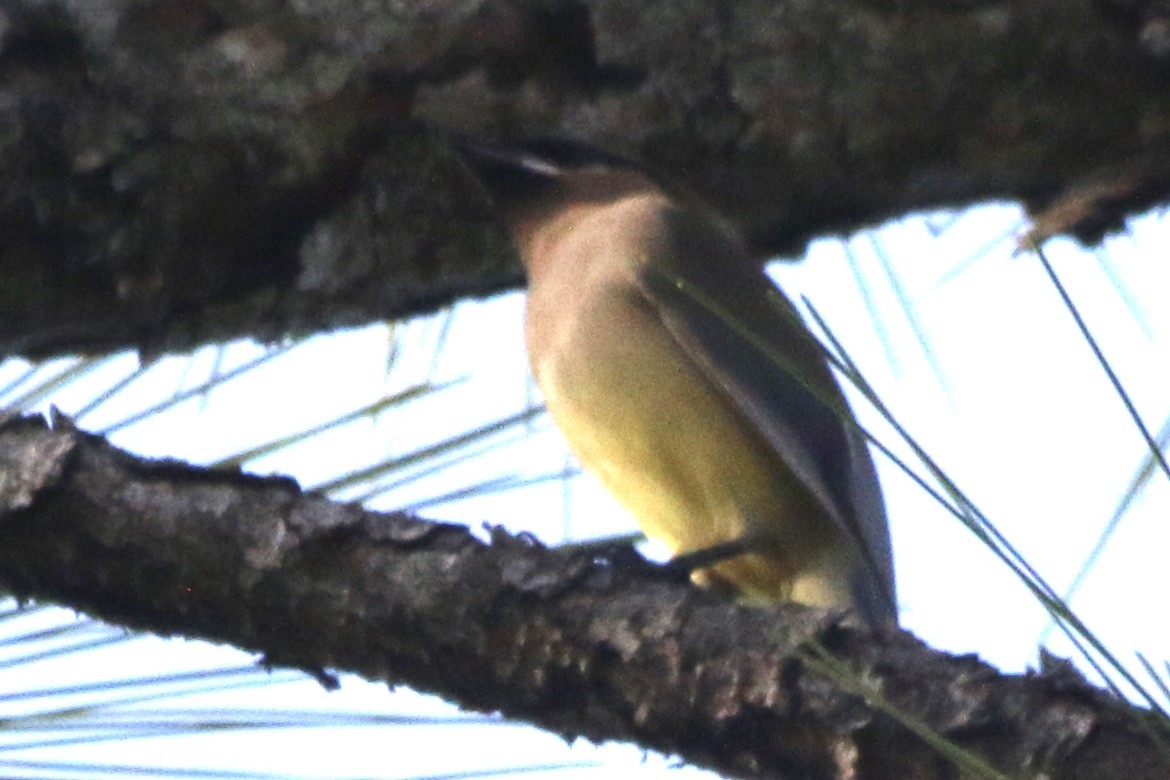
665, 440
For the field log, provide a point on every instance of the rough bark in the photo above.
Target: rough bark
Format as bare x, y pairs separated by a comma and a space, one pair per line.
585, 646
174, 172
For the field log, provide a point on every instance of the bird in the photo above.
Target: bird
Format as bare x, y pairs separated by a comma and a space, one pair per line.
685, 381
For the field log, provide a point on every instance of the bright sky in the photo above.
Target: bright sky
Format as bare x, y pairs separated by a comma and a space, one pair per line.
1018, 413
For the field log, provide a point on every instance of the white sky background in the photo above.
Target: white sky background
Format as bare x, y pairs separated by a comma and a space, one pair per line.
1023, 419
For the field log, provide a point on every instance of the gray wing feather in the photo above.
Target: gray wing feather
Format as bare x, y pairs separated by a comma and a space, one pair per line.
829, 456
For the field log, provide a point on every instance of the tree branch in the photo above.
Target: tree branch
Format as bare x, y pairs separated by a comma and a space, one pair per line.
581, 646
181, 171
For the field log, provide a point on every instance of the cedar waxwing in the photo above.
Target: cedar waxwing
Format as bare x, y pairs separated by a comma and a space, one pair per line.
661, 393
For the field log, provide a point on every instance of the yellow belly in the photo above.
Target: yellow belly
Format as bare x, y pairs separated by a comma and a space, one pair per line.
681, 458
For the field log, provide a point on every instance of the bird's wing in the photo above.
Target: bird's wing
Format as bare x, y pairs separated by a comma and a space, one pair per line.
779, 380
